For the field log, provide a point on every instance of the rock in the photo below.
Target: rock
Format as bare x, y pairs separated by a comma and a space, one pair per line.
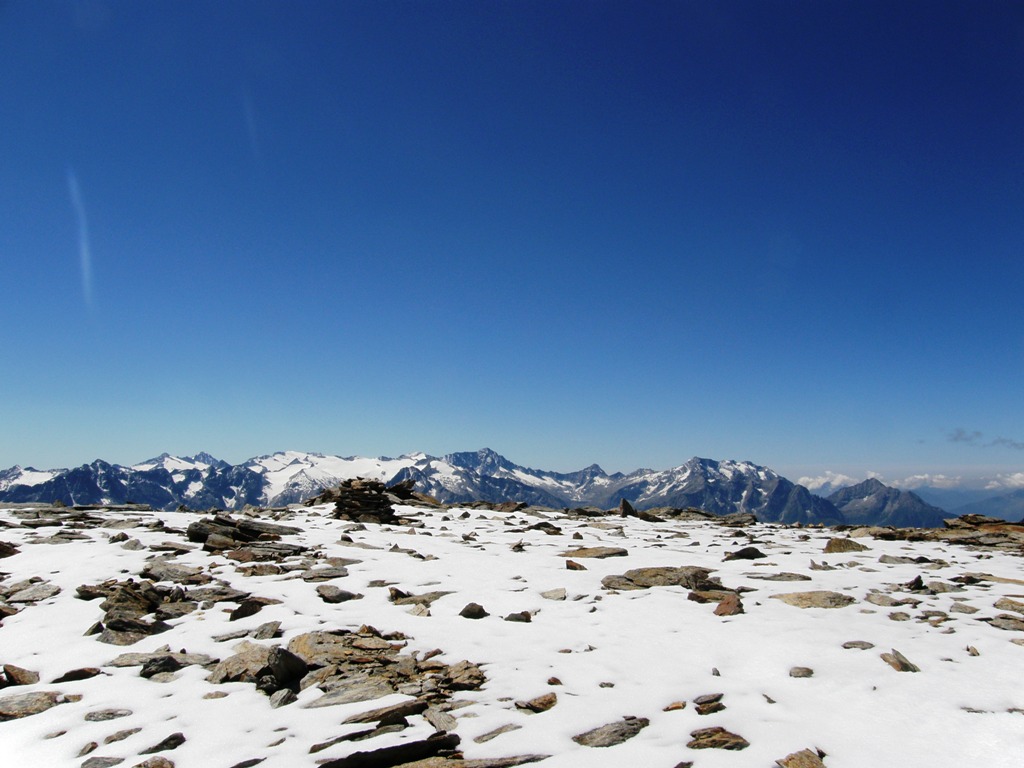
441, 721
384, 715
34, 593
861, 645
716, 738
805, 758
595, 552
399, 597
485, 737
783, 576
102, 762
82, 673
523, 617
1007, 622
555, 594
162, 569
26, 704
962, 608
539, 704
331, 594
102, 715
407, 752
473, 611
244, 666
286, 667
1008, 604
7, 549
801, 672
155, 762
836, 546
572, 565
747, 553
730, 605
465, 676
708, 703
173, 741
282, 697
121, 735
18, 676
815, 599
688, 576
899, 662
613, 733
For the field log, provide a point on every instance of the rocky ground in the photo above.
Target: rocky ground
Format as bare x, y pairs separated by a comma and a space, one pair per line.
374, 629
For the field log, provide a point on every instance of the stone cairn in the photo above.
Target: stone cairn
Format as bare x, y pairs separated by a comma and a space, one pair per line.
370, 501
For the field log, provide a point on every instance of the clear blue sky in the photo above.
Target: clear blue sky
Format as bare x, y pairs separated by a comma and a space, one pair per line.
575, 232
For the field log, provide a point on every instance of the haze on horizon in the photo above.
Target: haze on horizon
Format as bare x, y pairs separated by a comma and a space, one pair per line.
613, 233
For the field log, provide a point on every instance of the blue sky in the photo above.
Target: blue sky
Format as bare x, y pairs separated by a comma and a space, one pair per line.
575, 232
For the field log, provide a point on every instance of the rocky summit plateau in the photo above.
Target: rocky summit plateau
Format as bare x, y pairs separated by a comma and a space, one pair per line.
374, 625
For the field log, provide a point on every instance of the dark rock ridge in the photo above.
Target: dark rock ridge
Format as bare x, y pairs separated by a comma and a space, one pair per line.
872, 503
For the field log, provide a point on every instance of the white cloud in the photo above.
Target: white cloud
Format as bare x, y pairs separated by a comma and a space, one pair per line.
1011, 481
934, 481
830, 478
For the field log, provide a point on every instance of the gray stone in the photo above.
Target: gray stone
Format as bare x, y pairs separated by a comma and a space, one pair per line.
801, 672
26, 704
102, 715
485, 737
815, 599
861, 645
332, 594
613, 733
34, 593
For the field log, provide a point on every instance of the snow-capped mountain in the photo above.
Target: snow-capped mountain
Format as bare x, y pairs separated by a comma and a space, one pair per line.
203, 482
24, 476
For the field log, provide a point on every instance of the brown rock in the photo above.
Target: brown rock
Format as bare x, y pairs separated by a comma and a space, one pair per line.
805, 758
729, 606
836, 546
18, 676
572, 565
899, 662
539, 704
716, 738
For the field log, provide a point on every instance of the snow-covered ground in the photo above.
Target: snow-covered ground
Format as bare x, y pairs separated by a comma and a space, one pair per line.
605, 654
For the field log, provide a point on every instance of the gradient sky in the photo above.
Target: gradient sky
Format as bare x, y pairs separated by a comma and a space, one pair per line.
615, 232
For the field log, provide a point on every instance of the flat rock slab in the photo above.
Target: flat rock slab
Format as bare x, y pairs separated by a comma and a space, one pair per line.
35, 593
25, 704
689, 576
816, 599
613, 733
595, 552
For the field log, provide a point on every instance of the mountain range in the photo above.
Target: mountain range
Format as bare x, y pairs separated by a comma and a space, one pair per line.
720, 487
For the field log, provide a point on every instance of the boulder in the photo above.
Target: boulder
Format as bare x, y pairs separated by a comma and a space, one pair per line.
815, 599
